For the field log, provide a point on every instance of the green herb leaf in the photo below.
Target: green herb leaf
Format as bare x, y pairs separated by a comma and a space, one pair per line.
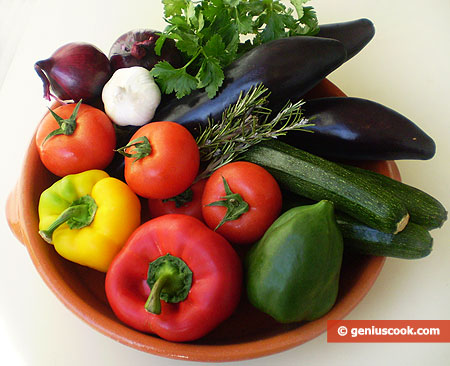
210, 76
208, 33
309, 24
243, 124
274, 28
189, 44
173, 80
244, 24
159, 43
173, 7
298, 5
215, 47
232, 3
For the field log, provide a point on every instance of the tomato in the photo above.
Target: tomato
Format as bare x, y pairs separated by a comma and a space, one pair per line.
250, 183
189, 203
90, 146
162, 160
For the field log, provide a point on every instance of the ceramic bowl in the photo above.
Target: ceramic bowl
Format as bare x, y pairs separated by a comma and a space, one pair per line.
247, 334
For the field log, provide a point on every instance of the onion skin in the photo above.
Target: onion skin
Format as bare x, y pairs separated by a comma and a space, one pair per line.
137, 48
75, 71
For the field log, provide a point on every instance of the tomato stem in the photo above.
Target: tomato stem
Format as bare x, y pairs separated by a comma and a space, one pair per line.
182, 199
66, 126
142, 148
234, 203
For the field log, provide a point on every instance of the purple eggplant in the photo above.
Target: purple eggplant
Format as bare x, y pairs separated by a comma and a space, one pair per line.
288, 67
347, 128
353, 34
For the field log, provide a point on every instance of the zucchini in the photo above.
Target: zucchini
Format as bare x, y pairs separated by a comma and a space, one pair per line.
423, 209
413, 242
316, 178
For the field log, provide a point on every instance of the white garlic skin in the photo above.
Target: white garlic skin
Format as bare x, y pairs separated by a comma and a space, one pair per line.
131, 96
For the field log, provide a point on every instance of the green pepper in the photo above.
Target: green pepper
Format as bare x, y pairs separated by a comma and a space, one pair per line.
292, 272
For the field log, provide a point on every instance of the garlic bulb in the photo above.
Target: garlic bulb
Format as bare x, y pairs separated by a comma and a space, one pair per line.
131, 96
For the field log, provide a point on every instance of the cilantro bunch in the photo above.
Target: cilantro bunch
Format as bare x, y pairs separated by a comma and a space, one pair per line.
210, 33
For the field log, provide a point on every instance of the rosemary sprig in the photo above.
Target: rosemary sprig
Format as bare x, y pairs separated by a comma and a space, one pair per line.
244, 124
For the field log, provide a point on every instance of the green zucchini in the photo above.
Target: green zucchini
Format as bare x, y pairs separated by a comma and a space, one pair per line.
413, 242
423, 209
318, 179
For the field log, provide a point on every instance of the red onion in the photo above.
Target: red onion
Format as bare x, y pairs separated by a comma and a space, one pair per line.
74, 71
137, 48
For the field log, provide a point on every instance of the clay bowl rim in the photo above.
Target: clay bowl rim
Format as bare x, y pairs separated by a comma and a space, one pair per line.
22, 218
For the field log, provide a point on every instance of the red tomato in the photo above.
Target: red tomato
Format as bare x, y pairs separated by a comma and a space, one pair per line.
192, 206
257, 188
90, 146
169, 168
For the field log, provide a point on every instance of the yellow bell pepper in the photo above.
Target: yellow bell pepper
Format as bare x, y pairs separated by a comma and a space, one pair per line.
88, 217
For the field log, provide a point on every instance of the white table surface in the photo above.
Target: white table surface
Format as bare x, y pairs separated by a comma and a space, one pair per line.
406, 67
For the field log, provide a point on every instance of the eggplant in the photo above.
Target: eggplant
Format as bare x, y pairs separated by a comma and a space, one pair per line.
348, 128
288, 67
353, 34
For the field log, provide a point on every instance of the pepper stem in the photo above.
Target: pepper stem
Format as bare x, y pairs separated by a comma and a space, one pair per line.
66, 126
79, 214
170, 279
153, 303
234, 203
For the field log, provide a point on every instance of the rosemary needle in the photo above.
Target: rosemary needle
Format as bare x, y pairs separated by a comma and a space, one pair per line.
243, 124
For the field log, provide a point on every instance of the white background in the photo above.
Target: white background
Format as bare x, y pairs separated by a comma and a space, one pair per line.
405, 67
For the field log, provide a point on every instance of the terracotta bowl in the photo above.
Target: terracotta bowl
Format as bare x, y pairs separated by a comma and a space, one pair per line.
247, 334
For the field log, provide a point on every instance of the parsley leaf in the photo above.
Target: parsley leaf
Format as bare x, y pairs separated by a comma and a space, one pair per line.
298, 5
274, 28
173, 7
309, 23
188, 43
215, 47
210, 76
209, 33
173, 80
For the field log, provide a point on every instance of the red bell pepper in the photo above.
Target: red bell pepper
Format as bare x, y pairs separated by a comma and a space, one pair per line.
176, 278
